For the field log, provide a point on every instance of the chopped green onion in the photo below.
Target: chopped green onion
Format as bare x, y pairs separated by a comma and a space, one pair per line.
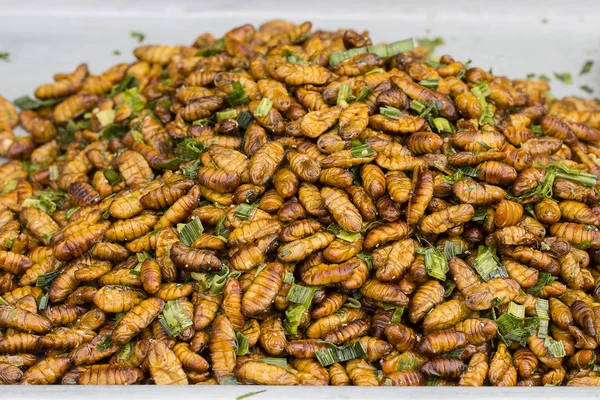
4, 56
241, 342
430, 83
249, 394
352, 303
44, 280
541, 309
174, 319
375, 71
434, 64
192, 171
288, 278
172, 163
364, 93
390, 112
244, 119
128, 82
9, 186
221, 115
586, 89
564, 77
435, 263
190, 148
544, 78
133, 99
461, 74
262, 110
216, 49
408, 363
512, 329
3, 302
456, 353
201, 122
220, 231
112, 132
360, 150
417, 106
293, 316
555, 347
537, 129
300, 294
387, 50
112, 176
44, 301
137, 136
294, 59
487, 264
530, 75
342, 234
238, 96
442, 125
516, 309
245, 210
334, 355
188, 233
344, 93
482, 88
53, 172
452, 249
397, 315
106, 117
279, 361
127, 351
430, 44
27, 103
587, 67
366, 258
139, 36
105, 344
449, 287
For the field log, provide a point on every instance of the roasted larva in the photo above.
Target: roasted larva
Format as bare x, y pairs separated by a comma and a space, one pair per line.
288, 206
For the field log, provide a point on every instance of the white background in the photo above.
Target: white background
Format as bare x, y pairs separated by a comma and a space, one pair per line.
44, 37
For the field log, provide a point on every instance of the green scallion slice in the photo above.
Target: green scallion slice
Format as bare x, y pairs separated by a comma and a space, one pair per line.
390, 112
44, 280
487, 264
430, 83
244, 119
221, 115
44, 302
364, 93
238, 96
112, 176
245, 210
340, 354
342, 234
9, 186
262, 110
435, 263
174, 319
587, 67
442, 125
188, 233
344, 93
242, 343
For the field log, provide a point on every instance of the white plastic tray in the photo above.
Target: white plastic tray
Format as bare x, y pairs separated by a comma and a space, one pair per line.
515, 37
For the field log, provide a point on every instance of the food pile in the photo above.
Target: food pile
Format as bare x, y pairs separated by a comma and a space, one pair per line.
284, 206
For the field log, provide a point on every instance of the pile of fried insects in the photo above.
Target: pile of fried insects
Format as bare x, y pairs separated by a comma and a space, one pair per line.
288, 207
